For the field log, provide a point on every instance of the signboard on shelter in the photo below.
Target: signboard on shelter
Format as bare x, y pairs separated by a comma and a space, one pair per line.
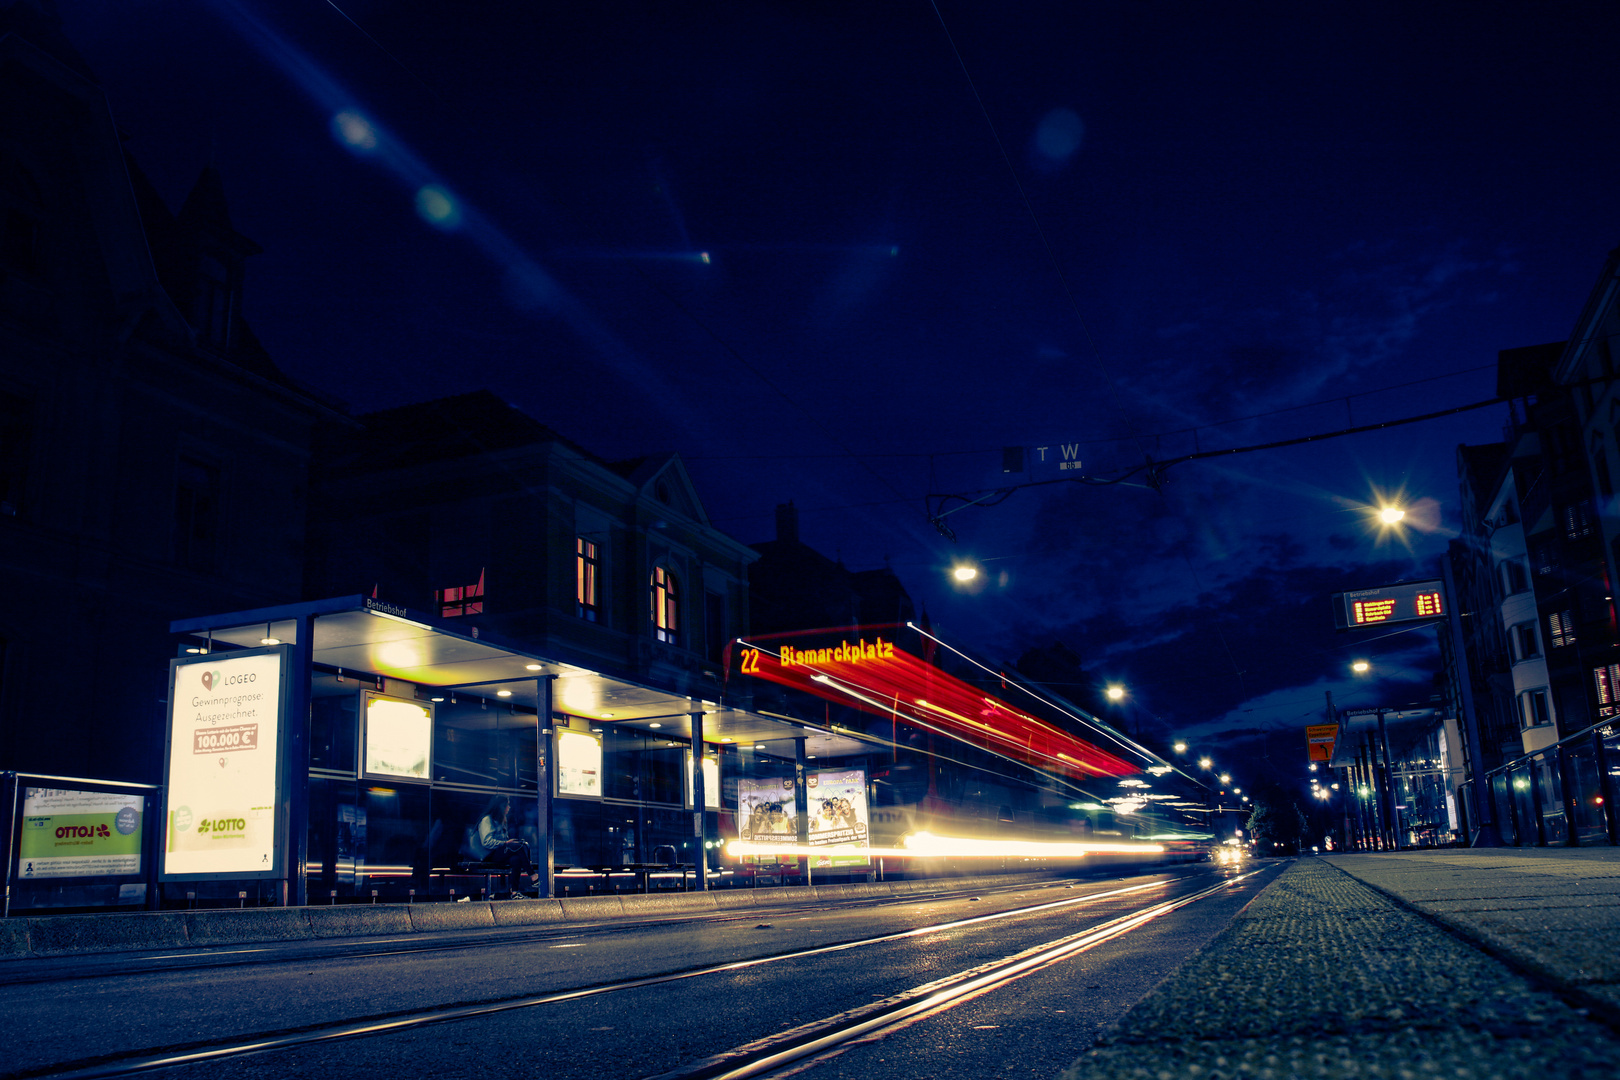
222, 778
68, 833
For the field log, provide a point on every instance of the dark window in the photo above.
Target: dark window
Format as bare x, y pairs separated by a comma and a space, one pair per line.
666, 606
1510, 513
1535, 712
1600, 467
587, 576
1561, 625
1543, 557
16, 436
461, 599
214, 304
21, 209
196, 515
1513, 579
1526, 643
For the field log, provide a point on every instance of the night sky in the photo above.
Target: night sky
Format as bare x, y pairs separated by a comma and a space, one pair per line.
843, 254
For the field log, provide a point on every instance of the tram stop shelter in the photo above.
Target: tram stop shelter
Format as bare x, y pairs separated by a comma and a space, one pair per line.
416, 728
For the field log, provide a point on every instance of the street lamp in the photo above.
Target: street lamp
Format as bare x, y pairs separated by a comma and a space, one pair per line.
1116, 692
965, 572
1360, 667
1390, 515
1205, 763
1225, 778
1181, 748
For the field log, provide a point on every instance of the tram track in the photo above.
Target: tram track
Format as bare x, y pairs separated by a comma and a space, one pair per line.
71, 968
779, 1051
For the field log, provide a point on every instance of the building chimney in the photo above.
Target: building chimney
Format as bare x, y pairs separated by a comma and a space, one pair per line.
787, 523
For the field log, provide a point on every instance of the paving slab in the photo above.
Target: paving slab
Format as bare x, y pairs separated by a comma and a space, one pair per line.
1324, 976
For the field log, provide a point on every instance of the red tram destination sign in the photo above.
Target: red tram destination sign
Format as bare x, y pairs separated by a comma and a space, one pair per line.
1412, 601
867, 672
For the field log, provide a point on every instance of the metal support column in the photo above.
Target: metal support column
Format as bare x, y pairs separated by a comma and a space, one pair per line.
1393, 816
801, 805
545, 772
700, 854
295, 886
1487, 834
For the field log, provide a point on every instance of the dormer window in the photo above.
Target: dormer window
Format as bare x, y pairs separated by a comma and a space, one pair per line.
216, 302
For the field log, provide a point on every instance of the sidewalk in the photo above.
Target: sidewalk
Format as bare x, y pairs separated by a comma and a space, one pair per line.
1387, 965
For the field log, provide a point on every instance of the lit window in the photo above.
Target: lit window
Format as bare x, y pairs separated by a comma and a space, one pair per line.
1562, 625
461, 599
1608, 689
587, 573
1577, 521
666, 606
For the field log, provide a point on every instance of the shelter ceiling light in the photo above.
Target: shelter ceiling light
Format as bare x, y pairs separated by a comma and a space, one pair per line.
531, 667
503, 693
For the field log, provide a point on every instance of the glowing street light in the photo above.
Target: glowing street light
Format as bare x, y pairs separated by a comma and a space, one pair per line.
1116, 693
1225, 779
964, 572
1181, 748
1390, 515
1205, 763
1360, 667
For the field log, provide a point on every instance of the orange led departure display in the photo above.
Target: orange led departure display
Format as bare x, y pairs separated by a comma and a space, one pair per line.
872, 675
1407, 602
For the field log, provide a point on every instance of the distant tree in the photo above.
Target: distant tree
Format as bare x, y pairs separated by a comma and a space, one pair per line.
1276, 821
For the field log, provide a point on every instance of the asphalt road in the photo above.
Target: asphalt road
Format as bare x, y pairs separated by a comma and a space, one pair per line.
555, 1003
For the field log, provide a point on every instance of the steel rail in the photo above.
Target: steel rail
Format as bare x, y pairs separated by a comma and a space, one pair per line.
828, 1037
125, 1065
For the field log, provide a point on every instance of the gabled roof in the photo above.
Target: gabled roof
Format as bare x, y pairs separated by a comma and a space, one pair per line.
664, 479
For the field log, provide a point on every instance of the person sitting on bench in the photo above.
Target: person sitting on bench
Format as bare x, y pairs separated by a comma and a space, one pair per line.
491, 842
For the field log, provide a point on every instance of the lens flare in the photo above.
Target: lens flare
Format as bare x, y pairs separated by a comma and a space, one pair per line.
437, 207
354, 131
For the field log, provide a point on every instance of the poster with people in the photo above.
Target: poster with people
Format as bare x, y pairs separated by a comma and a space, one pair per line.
765, 810
838, 816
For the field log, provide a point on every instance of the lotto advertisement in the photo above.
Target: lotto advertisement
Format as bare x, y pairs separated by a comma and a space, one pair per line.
221, 779
79, 834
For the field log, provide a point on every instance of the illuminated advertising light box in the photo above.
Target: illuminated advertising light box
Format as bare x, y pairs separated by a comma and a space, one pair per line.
838, 813
69, 833
579, 764
398, 738
765, 810
1413, 601
711, 782
222, 773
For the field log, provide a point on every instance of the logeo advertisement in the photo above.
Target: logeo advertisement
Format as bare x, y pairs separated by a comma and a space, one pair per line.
221, 778
79, 834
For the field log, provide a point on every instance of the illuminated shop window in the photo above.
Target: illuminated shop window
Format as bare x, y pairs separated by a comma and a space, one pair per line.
461, 599
665, 606
587, 575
